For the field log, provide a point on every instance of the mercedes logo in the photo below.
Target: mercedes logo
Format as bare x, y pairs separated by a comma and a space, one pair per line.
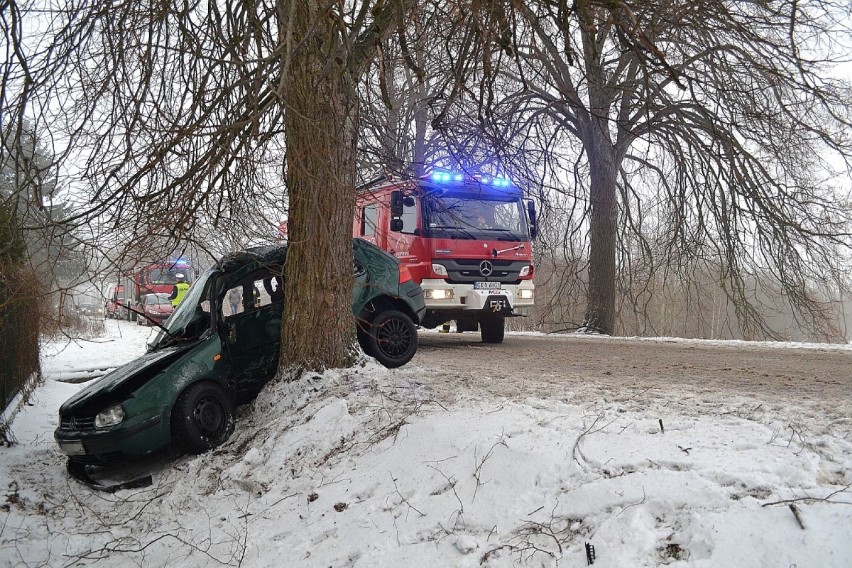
486, 268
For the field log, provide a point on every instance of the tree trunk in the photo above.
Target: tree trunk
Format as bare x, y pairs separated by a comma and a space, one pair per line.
600, 305
318, 331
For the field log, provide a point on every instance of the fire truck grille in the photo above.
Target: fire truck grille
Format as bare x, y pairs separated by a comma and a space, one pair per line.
466, 271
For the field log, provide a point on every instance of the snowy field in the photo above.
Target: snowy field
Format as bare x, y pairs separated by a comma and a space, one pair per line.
365, 467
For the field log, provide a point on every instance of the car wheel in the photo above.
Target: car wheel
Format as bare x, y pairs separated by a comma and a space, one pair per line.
392, 339
203, 418
492, 329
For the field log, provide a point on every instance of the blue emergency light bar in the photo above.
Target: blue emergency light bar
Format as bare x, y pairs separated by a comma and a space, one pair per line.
441, 176
174, 262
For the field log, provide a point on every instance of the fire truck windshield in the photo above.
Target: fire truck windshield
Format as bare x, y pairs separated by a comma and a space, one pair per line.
166, 275
462, 217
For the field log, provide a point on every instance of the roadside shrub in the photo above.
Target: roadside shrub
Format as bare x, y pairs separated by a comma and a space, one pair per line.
20, 292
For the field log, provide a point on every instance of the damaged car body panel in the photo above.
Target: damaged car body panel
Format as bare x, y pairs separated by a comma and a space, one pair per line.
209, 357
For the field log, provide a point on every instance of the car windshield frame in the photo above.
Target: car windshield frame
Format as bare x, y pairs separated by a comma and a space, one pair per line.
186, 312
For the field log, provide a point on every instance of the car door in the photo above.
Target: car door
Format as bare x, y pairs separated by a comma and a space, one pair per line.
254, 334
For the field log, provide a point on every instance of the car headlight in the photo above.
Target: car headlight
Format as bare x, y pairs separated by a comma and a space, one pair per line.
525, 294
109, 416
441, 294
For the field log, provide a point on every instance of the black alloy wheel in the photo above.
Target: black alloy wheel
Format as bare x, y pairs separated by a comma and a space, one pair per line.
392, 338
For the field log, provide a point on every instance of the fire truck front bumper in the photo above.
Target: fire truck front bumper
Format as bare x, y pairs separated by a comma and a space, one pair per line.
506, 299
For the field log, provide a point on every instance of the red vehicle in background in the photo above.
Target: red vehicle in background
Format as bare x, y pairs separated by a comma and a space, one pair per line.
465, 239
154, 309
155, 278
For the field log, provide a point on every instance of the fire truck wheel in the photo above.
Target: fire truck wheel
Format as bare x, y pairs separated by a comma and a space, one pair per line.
492, 329
392, 339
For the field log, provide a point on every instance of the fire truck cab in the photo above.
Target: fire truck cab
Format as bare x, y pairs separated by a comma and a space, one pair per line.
465, 239
158, 277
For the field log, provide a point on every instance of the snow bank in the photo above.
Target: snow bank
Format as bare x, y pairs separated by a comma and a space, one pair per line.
360, 467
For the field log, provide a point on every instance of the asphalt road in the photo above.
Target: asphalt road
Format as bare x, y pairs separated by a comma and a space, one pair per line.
565, 365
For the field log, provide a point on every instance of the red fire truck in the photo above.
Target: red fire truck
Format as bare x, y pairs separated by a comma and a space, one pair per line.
153, 278
466, 240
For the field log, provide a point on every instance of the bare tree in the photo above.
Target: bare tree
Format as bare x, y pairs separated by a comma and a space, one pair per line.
180, 116
712, 123
413, 68
319, 90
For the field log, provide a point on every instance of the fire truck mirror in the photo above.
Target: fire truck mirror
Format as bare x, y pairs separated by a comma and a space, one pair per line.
396, 204
533, 221
396, 225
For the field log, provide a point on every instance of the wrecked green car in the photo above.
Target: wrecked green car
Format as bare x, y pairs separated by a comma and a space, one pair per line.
219, 347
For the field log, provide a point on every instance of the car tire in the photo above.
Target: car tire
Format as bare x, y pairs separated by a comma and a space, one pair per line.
203, 418
392, 339
492, 329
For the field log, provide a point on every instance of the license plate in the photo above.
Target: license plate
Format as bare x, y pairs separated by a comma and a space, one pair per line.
72, 448
487, 286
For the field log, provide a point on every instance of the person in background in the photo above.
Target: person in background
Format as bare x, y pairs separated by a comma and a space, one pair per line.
234, 298
179, 290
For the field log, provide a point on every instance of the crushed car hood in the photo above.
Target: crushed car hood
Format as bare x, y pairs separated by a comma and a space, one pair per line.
125, 379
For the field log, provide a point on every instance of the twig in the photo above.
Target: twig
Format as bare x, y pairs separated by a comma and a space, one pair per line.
576, 451
477, 473
106, 550
826, 499
796, 514
451, 482
404, 500
633, 504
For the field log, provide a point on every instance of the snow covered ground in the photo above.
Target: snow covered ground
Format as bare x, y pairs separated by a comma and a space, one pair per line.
364, 467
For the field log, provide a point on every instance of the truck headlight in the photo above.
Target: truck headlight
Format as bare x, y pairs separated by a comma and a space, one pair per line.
526, 294
525, 272
441, 294
109, 416
440, 270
